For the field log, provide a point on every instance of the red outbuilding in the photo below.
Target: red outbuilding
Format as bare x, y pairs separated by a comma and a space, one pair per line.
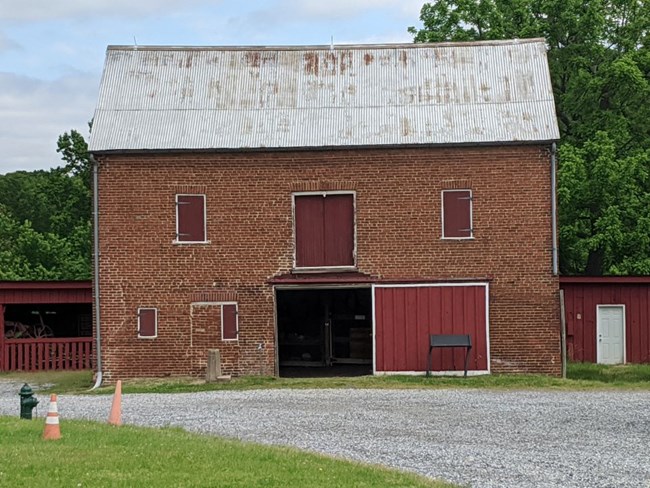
607, 318
45, 325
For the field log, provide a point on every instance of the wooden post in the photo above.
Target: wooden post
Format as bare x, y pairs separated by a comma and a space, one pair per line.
563, 333
213, 371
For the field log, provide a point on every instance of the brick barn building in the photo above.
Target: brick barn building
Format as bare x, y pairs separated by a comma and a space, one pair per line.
326, 208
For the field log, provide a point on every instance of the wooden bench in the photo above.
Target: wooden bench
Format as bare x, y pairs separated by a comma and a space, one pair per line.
449, 340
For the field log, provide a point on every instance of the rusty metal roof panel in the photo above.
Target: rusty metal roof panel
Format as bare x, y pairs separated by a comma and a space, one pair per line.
167, 98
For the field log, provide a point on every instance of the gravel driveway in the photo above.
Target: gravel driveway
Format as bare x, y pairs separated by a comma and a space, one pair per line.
474, 437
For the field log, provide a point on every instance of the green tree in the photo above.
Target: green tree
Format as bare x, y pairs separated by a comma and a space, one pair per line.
45, 218
74, 151
29, 255
599, 58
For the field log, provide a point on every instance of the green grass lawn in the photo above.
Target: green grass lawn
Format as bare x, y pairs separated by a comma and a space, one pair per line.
581, 376
92, 455
628, 375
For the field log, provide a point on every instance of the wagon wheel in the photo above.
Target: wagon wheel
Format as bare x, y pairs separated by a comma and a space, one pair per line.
17, 330
42, 331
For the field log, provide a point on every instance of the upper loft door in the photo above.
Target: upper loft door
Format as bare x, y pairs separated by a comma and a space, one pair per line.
610, 332
324, 230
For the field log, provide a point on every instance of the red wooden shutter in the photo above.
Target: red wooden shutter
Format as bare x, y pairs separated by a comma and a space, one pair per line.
324, 230
338, 225
309, 231
457, 213
147, 322
229, 322
190, 211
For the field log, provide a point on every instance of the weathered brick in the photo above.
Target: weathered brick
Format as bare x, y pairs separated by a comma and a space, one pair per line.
249, 226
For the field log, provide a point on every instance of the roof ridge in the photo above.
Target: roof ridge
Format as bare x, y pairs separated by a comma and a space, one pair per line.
327, 47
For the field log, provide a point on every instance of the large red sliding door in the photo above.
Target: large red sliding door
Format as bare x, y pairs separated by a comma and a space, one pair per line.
406, 315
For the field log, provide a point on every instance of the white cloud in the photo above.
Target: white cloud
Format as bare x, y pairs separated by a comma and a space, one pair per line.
398, 37
344, 9
33, 113
39, 10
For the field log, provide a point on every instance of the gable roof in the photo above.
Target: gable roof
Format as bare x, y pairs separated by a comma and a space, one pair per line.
205, 98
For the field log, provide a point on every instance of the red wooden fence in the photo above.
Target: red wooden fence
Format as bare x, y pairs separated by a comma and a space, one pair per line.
47, 354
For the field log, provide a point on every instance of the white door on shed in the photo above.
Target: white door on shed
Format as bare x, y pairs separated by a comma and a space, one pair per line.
610, 334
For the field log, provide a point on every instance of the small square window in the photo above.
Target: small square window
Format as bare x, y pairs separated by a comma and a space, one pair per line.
457, 214
148, 323
190, 218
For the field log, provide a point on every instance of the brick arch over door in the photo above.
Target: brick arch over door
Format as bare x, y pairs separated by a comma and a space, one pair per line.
406, 315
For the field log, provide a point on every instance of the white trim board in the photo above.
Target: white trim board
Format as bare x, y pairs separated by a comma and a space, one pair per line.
433, 373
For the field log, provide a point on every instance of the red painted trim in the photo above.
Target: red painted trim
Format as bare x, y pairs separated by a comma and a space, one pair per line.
47, 354
355, 277
601, 280
410, 281
2, 337
322, 278
45, 285
60, 340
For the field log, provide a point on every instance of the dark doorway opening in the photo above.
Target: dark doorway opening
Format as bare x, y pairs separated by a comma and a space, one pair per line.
37, 321
324, 332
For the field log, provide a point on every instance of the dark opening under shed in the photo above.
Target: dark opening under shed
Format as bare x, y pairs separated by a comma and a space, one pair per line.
45, 325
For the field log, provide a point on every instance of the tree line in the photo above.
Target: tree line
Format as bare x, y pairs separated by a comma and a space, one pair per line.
45, 218
599, 59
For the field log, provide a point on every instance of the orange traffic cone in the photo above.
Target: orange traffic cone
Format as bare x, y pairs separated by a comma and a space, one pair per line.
52, 431
115, 417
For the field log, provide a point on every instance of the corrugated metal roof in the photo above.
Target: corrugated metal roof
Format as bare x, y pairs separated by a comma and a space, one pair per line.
184, 98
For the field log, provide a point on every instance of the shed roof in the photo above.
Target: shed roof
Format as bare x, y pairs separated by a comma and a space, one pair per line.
23, 292
212, 98
605, 280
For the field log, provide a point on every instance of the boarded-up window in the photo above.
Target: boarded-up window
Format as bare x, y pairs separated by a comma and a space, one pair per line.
229, 322
457, 214
190, 218
324, 230
147, 322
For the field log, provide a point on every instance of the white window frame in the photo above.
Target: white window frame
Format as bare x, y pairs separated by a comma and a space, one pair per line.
471, 214
155, 323
205, 218
330, 269
236, 304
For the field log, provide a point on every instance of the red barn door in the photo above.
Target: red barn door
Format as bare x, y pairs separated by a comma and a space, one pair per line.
406, 315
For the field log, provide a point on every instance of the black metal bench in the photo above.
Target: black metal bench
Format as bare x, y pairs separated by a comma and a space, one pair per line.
449, 340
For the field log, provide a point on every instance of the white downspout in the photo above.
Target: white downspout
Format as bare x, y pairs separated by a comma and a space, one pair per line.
555, 265
98, 334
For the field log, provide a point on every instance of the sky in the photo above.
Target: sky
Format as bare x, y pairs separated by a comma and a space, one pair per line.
52, 52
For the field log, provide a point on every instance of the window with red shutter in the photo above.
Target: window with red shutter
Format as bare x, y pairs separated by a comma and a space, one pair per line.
190, 218
457, 214
324, 227
148, 323
229, 322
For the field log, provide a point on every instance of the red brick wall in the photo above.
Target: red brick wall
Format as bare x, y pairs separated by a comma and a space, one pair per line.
249, 226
